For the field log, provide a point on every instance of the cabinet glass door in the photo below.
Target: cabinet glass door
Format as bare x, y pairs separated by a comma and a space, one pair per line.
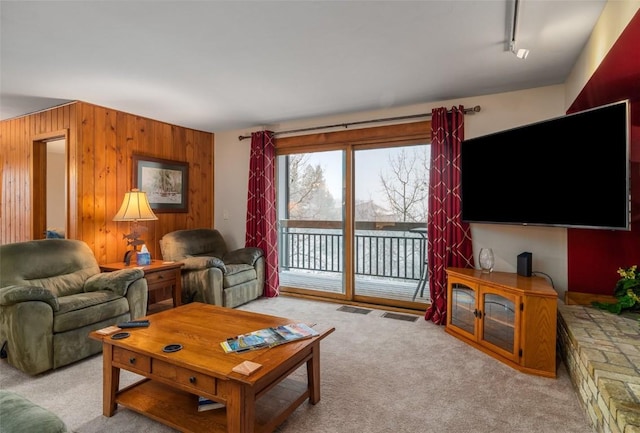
463, 307
498, 321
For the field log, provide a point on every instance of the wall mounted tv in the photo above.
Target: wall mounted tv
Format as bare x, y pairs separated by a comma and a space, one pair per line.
570, 171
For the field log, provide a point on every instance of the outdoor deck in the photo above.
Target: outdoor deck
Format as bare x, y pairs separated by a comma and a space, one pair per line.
365, 286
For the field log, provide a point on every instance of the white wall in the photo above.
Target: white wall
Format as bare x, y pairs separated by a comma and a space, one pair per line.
498, 112
231, 178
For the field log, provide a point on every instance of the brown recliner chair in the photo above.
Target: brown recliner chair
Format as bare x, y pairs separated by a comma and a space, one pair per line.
211, 273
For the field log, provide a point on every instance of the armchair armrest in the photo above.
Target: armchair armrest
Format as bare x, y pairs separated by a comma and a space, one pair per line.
116, 281
247, 255
13, 294
202, 262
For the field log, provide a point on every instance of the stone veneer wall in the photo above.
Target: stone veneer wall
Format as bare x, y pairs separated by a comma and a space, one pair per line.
601, 352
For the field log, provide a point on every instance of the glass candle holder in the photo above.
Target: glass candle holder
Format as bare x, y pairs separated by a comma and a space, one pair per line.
486, 260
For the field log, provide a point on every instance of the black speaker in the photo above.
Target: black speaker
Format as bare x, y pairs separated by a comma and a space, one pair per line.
524, 264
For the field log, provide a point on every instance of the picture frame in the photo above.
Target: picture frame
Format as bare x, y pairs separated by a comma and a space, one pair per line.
166, 182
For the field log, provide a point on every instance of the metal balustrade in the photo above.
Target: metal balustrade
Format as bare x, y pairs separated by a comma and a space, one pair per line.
388, 250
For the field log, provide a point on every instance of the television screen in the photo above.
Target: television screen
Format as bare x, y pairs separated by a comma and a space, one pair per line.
570, 171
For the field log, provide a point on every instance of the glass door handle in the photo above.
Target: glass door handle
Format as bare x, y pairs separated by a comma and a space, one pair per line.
477, 313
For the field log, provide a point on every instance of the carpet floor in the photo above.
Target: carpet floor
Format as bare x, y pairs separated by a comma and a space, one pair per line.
379, 374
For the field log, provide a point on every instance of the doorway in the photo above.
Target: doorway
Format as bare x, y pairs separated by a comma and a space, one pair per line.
50, 193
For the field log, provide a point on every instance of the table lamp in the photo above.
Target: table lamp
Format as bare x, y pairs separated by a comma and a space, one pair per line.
135, 207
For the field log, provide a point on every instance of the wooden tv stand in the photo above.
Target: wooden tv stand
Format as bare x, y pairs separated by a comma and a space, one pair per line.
509, 317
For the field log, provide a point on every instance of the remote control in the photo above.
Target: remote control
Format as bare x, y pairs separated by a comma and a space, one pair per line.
140, 324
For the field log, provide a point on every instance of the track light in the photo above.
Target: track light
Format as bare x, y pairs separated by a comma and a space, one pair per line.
521, 53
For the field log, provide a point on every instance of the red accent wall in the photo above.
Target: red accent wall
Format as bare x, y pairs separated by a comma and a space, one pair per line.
595, 255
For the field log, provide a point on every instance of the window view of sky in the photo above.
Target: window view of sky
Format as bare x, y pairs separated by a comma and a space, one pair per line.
370, 164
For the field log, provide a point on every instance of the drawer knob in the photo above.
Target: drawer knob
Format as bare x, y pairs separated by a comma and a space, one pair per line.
192, 379
132, 360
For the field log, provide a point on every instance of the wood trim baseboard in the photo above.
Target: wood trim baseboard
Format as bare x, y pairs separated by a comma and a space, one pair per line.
578, 298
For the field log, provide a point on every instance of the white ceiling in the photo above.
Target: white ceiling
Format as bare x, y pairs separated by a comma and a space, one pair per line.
222, 65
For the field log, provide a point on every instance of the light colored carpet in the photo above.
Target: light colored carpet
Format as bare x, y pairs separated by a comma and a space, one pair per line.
378, 375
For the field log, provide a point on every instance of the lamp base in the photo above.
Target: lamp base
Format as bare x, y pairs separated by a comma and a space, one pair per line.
127, 257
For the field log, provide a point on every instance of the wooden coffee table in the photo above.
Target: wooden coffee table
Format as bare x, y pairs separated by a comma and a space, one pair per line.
173, 381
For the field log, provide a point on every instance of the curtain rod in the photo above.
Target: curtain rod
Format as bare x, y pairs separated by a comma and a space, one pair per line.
347, 124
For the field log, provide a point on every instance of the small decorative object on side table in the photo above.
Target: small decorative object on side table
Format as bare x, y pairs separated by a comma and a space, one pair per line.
161, 276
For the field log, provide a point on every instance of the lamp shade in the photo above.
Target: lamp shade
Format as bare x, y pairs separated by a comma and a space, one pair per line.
135, 207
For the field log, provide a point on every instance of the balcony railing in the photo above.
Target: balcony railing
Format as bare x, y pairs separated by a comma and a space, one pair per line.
381, 249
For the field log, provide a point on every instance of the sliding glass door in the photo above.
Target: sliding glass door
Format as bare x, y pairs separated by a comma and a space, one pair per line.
311, 218
352, 211
390, 210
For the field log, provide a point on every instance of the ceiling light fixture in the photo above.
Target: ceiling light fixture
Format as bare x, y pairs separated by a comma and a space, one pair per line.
521, 53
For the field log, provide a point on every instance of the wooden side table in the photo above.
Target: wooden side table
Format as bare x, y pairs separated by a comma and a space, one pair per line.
161, 276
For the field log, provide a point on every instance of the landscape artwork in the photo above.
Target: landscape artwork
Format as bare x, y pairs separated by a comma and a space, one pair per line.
164, 181
162, 185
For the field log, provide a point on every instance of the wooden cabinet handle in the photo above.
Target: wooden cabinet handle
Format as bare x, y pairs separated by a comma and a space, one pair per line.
192, 379
132, 360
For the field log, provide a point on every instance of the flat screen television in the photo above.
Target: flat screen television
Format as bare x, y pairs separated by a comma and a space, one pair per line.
570, 171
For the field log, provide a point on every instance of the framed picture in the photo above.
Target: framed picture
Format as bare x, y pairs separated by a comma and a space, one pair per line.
166, 182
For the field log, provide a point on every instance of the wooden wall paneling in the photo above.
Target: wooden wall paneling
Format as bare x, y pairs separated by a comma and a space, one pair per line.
5, 149
161, 147
12, 181
23, 201
71, 121
86, 181
100, 142
54, 119
204, 154
166, 146
104, 139
195, 177
7, 157
146, 144
19, 169
16, 213
117, 185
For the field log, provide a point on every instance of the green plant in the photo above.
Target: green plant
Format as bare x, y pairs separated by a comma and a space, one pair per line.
627, 291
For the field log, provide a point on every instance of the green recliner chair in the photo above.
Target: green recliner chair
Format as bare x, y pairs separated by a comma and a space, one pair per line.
52, 295
211, 273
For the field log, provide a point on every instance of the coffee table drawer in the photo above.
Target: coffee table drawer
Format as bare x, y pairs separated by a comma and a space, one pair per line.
184, 376
131, 361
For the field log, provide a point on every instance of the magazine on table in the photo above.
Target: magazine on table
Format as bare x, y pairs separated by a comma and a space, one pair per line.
268, 337
207, 404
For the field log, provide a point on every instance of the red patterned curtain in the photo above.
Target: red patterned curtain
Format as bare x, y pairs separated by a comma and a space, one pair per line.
448, 238
262, 231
